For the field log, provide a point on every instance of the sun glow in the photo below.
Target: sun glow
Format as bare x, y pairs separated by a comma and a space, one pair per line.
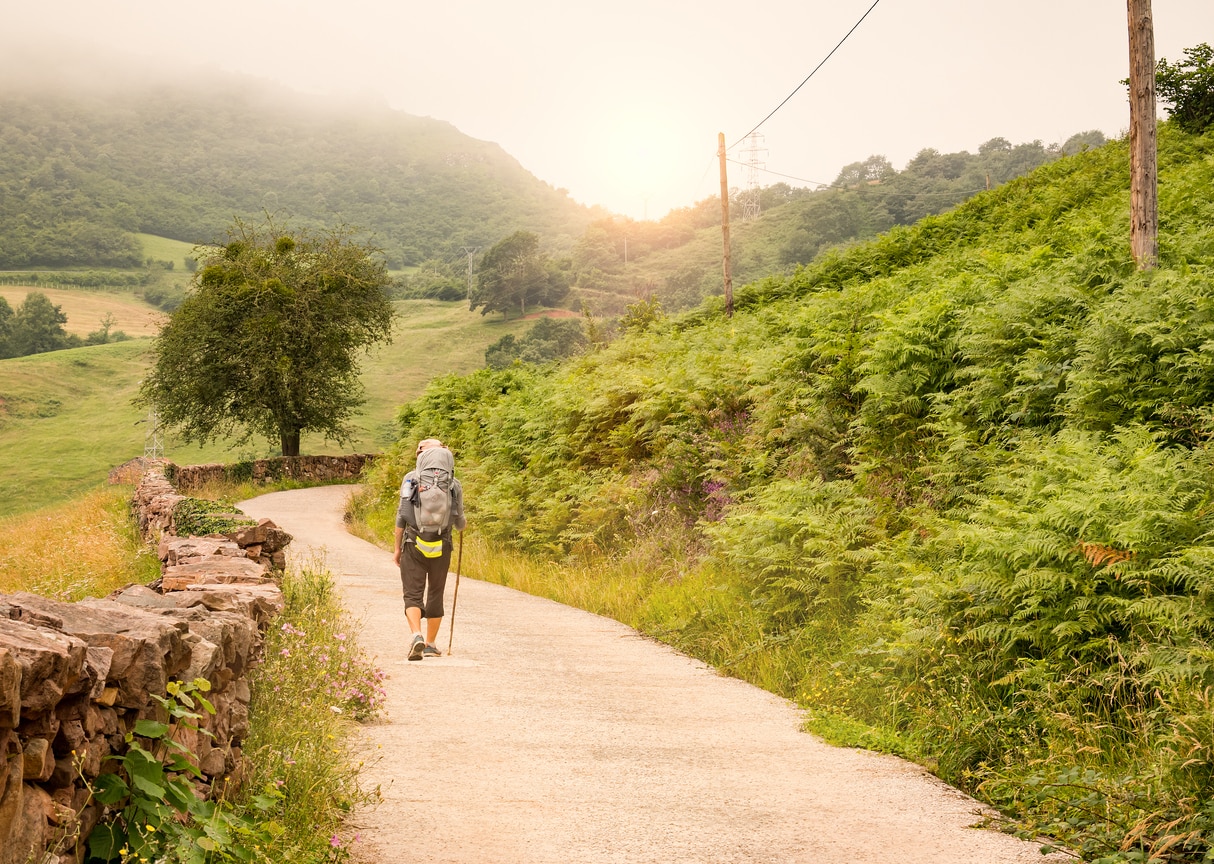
645, 157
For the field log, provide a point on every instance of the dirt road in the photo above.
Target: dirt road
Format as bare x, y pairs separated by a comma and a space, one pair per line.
551, 735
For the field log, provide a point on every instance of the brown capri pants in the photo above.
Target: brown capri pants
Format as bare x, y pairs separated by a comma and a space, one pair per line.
424, 577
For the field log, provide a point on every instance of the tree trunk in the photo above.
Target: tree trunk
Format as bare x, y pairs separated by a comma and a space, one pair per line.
290, 442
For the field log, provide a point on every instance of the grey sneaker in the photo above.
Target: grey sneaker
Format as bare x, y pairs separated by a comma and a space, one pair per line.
431, 651
417, 648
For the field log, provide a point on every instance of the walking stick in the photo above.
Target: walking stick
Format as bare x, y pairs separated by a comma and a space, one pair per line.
459, 565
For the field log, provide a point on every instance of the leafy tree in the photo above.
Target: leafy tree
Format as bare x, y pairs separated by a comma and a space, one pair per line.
874, 168
514, 274
1188, 88
268, 341
37, 326
6, 329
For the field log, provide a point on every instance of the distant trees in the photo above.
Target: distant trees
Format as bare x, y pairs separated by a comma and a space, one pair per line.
1187, 87
34, 328
433, 280
268, 342
550, 339
38, 326
515, 274
80, 174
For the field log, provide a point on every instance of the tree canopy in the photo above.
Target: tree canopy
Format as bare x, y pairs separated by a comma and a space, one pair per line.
515, 274
269, 340
1187, 87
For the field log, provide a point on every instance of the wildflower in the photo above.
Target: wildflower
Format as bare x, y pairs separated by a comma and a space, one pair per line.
285, 652
335, 841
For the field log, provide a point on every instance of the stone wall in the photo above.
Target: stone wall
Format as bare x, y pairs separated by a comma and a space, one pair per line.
314, 469
76, 677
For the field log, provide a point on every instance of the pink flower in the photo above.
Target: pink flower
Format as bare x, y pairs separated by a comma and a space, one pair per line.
335, 841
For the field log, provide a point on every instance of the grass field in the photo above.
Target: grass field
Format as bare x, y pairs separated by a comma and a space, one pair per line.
85, 309
164, 249
66, 417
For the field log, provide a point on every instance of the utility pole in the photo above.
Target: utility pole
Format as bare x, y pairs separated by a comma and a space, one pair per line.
1144, 175
725, 226
470, 251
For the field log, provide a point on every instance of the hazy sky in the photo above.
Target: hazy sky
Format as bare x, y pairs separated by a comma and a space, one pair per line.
621, 102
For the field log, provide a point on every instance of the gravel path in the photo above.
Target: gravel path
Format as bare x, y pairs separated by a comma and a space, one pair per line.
554, 735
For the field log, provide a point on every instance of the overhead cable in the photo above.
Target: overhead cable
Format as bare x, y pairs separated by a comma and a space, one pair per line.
807, 77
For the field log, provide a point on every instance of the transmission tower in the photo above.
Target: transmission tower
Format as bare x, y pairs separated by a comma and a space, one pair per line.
470, 251
153, 441
752, 163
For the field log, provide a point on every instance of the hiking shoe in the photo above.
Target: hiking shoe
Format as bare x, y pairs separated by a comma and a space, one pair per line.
431, 651
417, 648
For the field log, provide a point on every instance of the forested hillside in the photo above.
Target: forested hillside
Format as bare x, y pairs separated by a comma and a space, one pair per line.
677, 259
950, 489
83, 168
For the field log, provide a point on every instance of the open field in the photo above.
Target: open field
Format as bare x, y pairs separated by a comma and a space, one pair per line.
164, 249
85, 309
66, 417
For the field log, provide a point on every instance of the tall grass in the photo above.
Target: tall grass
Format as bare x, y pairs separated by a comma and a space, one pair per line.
86, 548
312, 688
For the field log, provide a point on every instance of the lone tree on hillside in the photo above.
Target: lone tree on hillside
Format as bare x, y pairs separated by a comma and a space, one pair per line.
267, 342
516, 274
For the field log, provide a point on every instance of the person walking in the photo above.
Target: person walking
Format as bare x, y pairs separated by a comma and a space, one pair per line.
431, 506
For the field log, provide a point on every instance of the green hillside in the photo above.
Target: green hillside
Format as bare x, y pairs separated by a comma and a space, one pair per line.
66, 417
83, 169
950, 490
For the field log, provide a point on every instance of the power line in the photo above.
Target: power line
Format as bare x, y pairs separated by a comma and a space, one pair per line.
807, 77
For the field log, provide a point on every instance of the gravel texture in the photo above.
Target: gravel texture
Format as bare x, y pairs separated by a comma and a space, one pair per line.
554, 735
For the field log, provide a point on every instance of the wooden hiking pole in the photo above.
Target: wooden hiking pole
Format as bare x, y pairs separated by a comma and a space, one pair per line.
459, 565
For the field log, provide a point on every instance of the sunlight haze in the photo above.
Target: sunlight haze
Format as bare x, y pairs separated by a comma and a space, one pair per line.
621, 103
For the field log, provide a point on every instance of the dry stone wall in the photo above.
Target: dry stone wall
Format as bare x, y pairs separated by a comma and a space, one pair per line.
76, 677
314, 469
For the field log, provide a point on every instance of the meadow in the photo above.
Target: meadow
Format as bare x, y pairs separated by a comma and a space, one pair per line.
67, 418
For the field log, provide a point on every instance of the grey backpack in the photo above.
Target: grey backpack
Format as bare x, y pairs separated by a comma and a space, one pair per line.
432, 492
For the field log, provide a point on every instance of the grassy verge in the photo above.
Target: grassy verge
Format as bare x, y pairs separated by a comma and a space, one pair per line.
307, 696
85, 548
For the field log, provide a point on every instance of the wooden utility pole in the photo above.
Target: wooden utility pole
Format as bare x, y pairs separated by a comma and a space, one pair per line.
725, 226
1144, 175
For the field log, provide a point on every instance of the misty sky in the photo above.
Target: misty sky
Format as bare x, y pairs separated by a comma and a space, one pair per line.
621, 102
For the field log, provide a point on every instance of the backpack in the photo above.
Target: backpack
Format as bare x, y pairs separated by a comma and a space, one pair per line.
431, 496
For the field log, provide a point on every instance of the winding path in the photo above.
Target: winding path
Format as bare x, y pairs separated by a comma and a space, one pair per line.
552, 735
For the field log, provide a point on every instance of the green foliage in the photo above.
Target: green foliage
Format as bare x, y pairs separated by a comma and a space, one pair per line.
515, 273
37, 327
642, 315
1187, 87
550, 339
83, 169
158, 814
268, 342
307, 693
198, 517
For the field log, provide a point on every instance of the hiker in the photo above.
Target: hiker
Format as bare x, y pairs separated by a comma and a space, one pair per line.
431, 505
